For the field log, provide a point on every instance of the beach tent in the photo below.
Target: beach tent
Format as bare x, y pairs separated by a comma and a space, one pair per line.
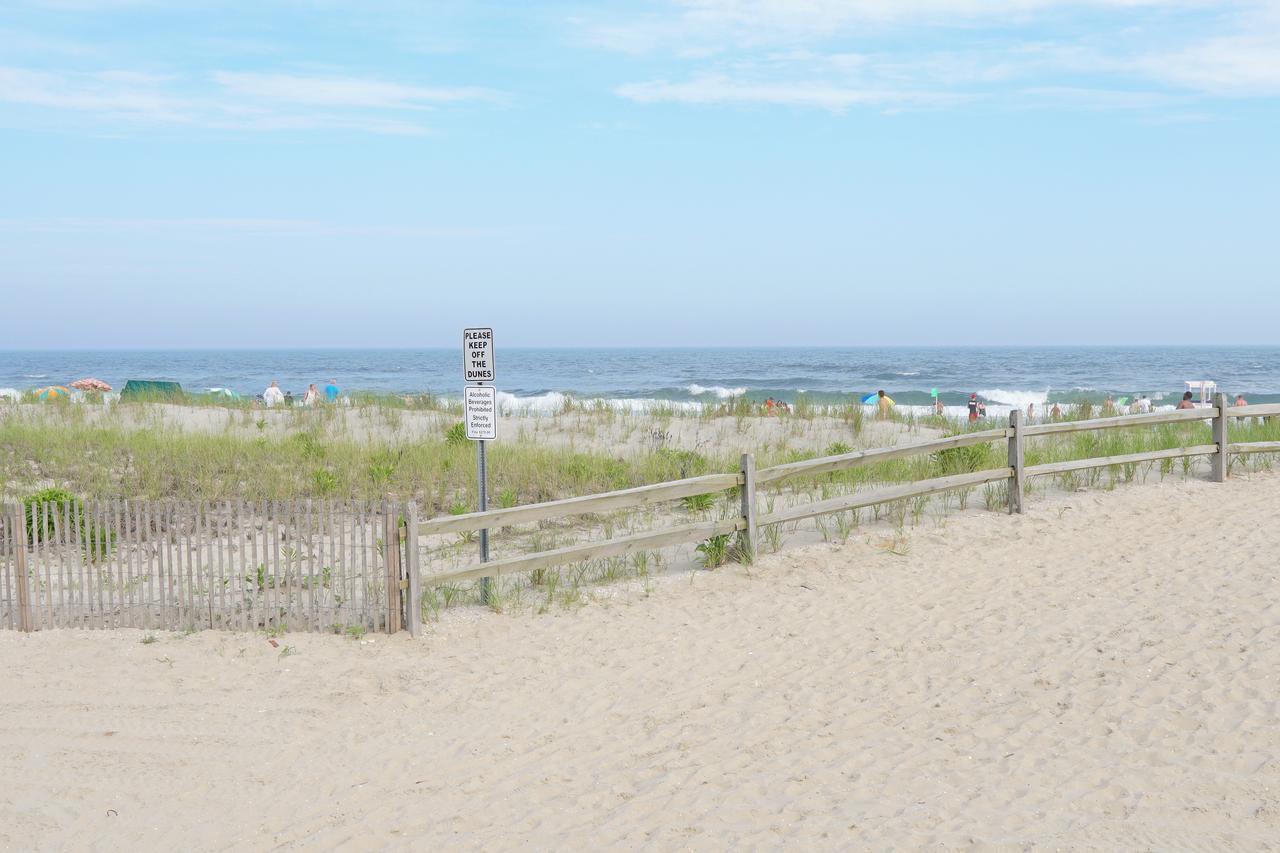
11, 394
151, 389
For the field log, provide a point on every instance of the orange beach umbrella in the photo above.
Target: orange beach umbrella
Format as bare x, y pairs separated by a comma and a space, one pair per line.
53, 392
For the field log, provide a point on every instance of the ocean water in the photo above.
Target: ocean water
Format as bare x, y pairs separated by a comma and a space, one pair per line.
635, 377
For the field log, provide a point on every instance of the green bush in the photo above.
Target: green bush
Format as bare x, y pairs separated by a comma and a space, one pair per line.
33, 509
62, 507
681, 464
324, 482
962, 460
456, 435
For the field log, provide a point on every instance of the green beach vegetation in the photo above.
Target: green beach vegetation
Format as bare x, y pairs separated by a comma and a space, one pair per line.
56, 453
318, 455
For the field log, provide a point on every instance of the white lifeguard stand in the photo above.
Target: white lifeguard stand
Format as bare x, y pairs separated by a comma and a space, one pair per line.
1205, 388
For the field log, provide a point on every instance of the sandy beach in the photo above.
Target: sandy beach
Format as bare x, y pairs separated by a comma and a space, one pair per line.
1097, 674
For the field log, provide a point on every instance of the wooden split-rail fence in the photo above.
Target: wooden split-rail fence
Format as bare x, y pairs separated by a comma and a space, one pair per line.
353, 567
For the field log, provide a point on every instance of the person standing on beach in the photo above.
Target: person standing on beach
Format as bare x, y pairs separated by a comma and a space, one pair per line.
937, 406
273, 394
1186, 402
331, 391
1056, 413
973, 408
1031, 413
883, 405
1240, 400
312, 397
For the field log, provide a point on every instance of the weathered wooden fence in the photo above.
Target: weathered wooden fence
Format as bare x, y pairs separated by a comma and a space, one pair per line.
330, 566
747, 479
302, 565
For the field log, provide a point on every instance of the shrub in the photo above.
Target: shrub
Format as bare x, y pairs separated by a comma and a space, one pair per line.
962, 460
33, 509
456, 435
62, 505
681, 464
324, 482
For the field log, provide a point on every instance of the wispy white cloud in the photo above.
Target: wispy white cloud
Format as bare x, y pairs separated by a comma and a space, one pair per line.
841, 54
720, 89
234, 100
1237, 66
343, 91
715, 25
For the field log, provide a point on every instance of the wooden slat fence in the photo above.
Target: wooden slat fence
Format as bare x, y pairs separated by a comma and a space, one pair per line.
275, 565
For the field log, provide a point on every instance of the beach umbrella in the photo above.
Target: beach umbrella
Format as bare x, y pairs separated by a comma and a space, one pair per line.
53, 392
874, 399
90, 384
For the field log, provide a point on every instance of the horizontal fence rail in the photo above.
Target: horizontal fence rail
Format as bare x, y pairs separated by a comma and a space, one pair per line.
1122, 421
608, 501
879, 496
1255, 447
1256, 411
1124, 459
829, 464
608, 548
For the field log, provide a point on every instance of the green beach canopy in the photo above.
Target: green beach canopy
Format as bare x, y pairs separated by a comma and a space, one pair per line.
151, 389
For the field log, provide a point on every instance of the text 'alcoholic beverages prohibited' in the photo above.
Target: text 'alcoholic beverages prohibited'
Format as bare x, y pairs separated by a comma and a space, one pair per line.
480, 407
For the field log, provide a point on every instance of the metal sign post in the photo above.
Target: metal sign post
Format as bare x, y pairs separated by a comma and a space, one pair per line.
480, 411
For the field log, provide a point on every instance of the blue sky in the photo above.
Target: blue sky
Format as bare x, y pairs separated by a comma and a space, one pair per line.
216, 173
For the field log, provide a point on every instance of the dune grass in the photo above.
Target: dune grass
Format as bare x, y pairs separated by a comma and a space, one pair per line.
315, 457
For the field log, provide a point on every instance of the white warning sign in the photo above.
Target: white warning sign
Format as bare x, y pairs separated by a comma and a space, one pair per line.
480, 410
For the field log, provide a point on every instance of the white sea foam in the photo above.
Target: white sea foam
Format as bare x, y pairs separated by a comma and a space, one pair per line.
1015, 399
719, 391
554, 401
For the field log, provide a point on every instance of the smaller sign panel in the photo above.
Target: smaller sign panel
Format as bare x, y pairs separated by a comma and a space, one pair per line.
477, 355
480, 411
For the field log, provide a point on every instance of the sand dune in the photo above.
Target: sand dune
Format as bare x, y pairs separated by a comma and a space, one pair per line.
1099, 673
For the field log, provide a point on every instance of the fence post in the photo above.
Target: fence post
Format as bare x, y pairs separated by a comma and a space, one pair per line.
1220, 460
1016, 491
749, 505
413, 602
20, 568
391, 553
